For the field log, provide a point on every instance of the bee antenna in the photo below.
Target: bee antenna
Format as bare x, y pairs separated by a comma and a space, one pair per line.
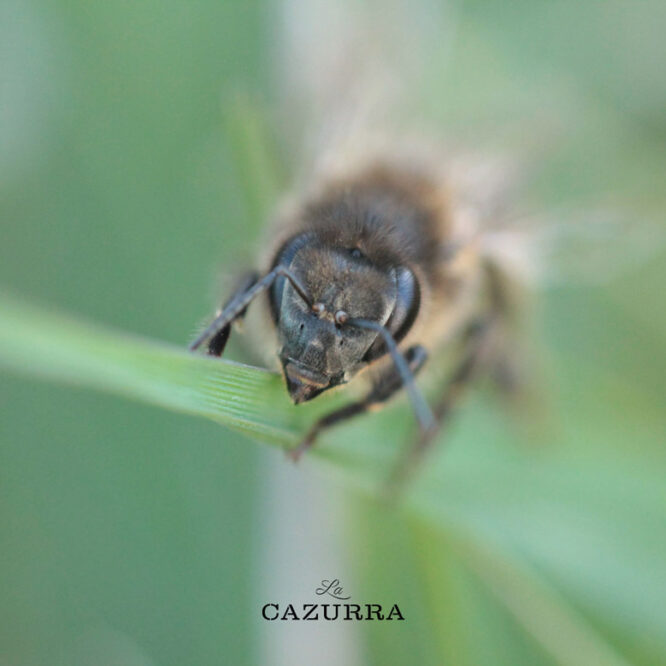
238, 304
421, 408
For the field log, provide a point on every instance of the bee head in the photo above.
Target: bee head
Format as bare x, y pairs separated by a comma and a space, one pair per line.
318, 347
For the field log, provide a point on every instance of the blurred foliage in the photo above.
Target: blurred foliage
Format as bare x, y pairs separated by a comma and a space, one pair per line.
129, 533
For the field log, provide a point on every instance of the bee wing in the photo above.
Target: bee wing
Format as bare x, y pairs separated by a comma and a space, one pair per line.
575, 246
350, 70
355, 77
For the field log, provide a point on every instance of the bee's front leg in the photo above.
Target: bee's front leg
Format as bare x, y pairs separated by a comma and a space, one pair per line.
384, 387
217, 341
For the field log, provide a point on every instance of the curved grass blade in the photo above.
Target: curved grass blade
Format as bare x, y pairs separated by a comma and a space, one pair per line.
45, 344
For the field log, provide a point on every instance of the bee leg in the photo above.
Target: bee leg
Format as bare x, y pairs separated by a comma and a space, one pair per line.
238, 304
385, 386
477, 348
218, 341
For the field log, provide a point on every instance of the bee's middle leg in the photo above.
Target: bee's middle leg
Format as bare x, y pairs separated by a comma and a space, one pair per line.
477, 350
384, 387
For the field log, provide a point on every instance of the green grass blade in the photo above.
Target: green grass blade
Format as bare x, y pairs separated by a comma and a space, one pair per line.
53, 346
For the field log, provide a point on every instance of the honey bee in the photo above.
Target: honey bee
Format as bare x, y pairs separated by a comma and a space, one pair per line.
385, 259
373, 272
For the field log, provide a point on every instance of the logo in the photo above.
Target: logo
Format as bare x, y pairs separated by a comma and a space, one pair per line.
330, 589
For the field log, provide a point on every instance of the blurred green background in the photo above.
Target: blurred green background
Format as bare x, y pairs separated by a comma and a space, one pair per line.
132, 535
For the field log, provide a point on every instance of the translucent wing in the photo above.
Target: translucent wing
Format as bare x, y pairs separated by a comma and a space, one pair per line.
351, 73
594, 246
575, 246
362, 77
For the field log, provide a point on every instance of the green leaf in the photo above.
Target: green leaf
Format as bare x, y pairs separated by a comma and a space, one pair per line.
52, 346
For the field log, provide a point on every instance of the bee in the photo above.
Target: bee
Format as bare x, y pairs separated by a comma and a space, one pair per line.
395, 252
374, 270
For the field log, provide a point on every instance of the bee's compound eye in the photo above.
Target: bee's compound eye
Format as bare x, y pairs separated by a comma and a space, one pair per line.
341, 317
318, 308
